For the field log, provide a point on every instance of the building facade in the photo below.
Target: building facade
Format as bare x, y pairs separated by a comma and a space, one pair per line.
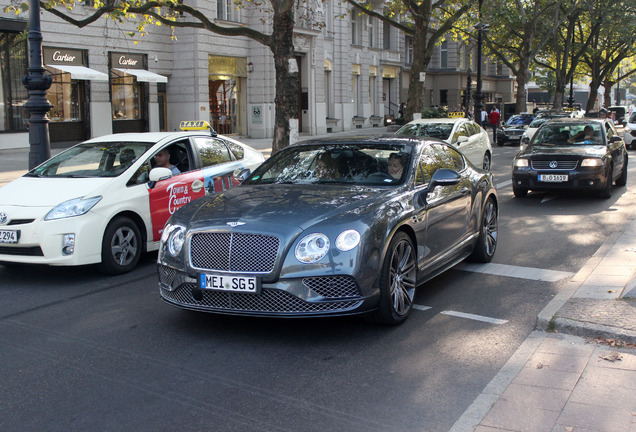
353, 73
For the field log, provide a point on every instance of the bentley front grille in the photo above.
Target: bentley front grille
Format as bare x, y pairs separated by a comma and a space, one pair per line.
332, 286
268, 301
554, 165
234, 252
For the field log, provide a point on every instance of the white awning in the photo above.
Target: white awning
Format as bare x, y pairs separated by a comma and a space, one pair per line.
82, 73
144, 75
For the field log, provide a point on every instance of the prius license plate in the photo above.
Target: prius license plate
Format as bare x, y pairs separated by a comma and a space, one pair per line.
553, 178
230, 283
8, 236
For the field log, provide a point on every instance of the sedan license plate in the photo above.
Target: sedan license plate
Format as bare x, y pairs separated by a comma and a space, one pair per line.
9, 236
230, 283
553, 178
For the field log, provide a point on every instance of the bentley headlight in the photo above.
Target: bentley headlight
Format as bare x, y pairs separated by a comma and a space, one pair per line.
74, 207
312, 248
592, 163
174, 236
347, 240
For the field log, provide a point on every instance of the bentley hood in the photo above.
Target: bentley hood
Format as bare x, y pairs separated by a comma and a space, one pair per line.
293, 205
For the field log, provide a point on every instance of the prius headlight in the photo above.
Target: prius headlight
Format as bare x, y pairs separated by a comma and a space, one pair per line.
173, 237
312, 248
74, 207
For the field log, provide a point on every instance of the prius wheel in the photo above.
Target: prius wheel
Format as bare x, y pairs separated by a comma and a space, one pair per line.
121, 246
397, 282
488, 233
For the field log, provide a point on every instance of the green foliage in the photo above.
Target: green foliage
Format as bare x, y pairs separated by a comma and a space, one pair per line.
435, 112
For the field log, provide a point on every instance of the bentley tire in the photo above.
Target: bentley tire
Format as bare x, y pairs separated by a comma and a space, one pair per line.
397, 282
488, 234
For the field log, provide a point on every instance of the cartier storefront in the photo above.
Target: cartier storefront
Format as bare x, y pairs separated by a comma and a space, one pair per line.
69, 93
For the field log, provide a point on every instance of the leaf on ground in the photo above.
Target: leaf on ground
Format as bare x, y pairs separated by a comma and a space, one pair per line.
613, 356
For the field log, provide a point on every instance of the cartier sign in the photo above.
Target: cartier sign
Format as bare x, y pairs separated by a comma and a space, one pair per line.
127, 61
62, 56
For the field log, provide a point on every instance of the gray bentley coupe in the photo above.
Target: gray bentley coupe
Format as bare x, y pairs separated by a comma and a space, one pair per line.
331, 227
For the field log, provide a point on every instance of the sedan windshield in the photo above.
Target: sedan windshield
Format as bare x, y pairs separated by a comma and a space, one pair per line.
98, 159
519, 120
336, 164
569, 134
433, 130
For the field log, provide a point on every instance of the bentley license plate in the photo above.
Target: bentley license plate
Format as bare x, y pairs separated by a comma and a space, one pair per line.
8, 236
231, 283
553, 178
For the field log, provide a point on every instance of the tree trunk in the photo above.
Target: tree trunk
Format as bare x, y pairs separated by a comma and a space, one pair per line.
421, 59
286, 101
607, 97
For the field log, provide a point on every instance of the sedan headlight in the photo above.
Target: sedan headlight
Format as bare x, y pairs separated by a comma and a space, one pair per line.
520, 163
347, 240
173, 237
74, 207
591, 163
312, 248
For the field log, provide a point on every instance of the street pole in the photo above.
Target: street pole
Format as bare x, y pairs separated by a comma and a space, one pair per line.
37, 83
479, 96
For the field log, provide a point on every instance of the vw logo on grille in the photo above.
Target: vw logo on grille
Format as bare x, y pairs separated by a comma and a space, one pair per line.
554, 164
235, 224
3, 218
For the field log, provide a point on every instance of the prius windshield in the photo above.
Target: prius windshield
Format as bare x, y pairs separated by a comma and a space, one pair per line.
98, 159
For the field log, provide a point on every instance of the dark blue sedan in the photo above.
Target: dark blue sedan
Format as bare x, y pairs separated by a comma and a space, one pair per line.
331, 227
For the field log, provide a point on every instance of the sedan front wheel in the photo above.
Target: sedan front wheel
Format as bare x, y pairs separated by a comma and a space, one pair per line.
397, 282
121, 246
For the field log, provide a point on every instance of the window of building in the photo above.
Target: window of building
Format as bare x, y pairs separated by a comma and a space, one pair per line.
355, 28
386, 36
409, 49
328, 28
65, 97
226, 10
126, 97
13, 66
443, 55
443, 97
372, 28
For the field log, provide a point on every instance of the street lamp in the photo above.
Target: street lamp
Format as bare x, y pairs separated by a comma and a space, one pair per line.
479, 96
37, 83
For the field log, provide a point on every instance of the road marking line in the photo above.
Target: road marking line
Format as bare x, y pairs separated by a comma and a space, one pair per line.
475, 317
504, 184
548, 198
518, 272
422, 308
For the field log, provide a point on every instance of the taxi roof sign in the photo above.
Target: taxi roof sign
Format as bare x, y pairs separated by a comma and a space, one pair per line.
456, 114
194, 125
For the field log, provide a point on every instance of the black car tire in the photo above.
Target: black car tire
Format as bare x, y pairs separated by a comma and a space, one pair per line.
486, 245
606, 192
519, 192
622, 180
487, 162
397, 282
121, 246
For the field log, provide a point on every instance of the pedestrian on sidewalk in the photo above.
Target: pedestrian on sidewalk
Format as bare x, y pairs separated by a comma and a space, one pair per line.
493, 119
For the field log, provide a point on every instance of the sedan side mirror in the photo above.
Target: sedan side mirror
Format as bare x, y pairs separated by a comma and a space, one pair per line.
461, 139
241, 174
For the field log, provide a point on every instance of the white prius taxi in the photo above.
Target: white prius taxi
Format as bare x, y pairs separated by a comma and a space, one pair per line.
106, 200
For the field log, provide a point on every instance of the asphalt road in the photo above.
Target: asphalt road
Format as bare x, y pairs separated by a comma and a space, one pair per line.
85, 352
